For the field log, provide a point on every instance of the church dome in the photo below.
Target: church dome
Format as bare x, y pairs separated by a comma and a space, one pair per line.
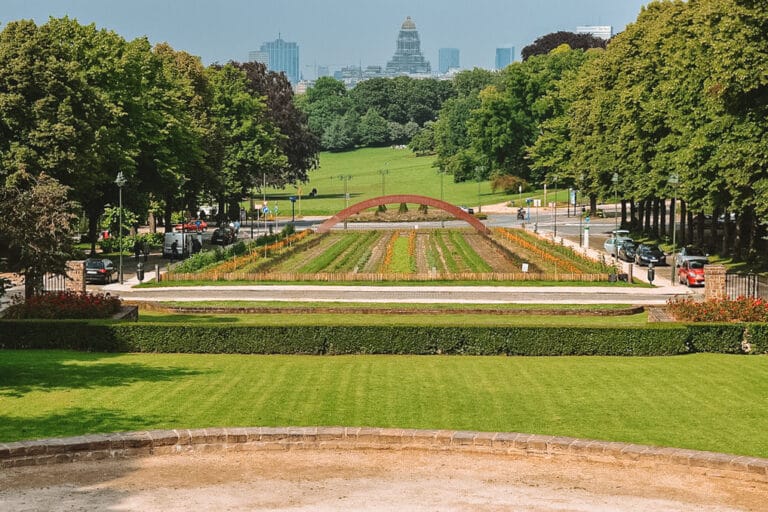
408, 24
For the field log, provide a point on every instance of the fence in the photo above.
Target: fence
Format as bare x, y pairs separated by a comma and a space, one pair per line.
746, 285
54, 283
382, 277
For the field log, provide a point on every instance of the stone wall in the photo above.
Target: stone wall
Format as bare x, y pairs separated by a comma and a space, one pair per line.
76, 276
163, 442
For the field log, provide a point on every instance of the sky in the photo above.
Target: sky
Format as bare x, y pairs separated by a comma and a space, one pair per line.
333, 33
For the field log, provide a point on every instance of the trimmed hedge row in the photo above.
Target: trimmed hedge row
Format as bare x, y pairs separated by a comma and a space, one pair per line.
333, 340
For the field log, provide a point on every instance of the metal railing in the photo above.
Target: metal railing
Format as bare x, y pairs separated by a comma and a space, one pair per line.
746, 285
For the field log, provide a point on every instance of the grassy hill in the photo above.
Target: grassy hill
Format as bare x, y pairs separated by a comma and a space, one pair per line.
407, 174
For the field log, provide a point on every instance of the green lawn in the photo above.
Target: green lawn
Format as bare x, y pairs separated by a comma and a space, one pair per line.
426, 318
407, 174
704, 401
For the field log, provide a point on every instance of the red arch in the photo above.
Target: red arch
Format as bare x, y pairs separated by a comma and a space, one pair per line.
406, 198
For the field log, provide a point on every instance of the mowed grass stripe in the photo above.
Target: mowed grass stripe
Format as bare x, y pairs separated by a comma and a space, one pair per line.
704, 401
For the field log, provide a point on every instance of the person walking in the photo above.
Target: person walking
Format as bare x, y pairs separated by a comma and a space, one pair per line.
174, 250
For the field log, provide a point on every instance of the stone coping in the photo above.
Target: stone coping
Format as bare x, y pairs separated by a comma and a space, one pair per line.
164, 442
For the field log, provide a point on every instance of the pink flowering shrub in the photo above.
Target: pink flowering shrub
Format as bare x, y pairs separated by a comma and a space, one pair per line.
66, 304
742, 309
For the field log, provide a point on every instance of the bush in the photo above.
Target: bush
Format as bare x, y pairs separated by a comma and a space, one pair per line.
757, 336
334, 340
742, 309
717, 338
61, 305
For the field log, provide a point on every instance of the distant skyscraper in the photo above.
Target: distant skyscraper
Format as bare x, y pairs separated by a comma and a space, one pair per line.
504, 57
259, 56
282, 56
601, 31
448, 59
408, 58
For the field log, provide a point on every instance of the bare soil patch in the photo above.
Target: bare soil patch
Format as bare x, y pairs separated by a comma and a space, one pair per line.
304, 480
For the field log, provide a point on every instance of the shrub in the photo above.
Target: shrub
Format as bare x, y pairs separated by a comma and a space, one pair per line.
757, 336
717, 338
334, 340
742, 309
67, 304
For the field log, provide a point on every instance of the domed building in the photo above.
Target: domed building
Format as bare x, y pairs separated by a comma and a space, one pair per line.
408, 59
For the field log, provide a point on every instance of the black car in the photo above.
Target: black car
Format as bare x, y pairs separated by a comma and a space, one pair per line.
223, 235
646, 254
101, 271
626, 251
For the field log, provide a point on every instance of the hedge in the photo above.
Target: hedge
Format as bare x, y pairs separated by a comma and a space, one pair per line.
757, 335
332, 340
718, 338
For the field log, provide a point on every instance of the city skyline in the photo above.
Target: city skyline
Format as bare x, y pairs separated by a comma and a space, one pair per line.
333, 33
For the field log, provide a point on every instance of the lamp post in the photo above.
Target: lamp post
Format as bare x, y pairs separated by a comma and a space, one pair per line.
120, 181
383, 173
615, 181
520, 193
581, 214
479, 171
441, 172
555, 203
345, 178
674, 179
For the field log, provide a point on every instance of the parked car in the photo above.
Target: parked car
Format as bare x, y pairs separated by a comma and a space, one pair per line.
646, 254
223, 235
193, 225
691, 252
618, 237
691, 273
467, 209
101, 271
626, 251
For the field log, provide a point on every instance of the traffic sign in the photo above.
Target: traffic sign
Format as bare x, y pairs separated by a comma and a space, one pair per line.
265, 209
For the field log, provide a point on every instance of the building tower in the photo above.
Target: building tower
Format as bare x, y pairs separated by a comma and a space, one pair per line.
601, 31
504, 57
448, 59
408, 58
281, 56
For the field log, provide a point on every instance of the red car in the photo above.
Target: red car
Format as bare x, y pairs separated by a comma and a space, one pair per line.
691, 273
193, 225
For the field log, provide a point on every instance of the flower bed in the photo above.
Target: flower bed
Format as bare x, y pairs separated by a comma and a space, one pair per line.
65, 304
742, 309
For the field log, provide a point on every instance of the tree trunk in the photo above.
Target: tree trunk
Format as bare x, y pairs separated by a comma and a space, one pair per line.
632, 214
593, 205
648, 213
655, 225
713, 233
662, 219
683, 223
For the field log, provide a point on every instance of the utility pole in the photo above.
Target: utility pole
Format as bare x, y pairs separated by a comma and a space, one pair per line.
345, 178
479, 171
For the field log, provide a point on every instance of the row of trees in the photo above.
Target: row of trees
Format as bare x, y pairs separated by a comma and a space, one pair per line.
376, 112
681, 93
79, 105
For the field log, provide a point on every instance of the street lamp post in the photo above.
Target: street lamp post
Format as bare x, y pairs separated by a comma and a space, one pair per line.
520, 193
479, 171
615, 181
555, 203
120, 181
674, 179
345, 178
441, 172
383, 173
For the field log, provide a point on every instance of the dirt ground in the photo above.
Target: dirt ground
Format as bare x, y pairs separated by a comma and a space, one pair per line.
308, 480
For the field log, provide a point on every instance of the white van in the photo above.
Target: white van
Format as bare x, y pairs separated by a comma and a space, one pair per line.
184, 244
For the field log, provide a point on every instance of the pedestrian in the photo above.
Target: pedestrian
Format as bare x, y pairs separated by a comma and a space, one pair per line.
174, 250
145, 250
137, 249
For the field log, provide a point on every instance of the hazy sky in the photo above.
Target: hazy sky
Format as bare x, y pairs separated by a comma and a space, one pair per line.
333, 33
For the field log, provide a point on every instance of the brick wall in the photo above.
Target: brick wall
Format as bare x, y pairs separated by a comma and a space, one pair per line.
715, 287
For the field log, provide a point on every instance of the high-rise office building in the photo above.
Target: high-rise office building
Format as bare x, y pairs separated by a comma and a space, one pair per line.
259, 56
601, 31
408, 58
504, 57
448, 58
280, 56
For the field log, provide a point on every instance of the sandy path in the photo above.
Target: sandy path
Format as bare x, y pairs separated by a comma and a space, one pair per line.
302, 480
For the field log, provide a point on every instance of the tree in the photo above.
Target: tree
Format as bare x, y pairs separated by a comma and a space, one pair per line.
36, 222
545, 44
299, 144
341, 135
423, 143
373, 129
